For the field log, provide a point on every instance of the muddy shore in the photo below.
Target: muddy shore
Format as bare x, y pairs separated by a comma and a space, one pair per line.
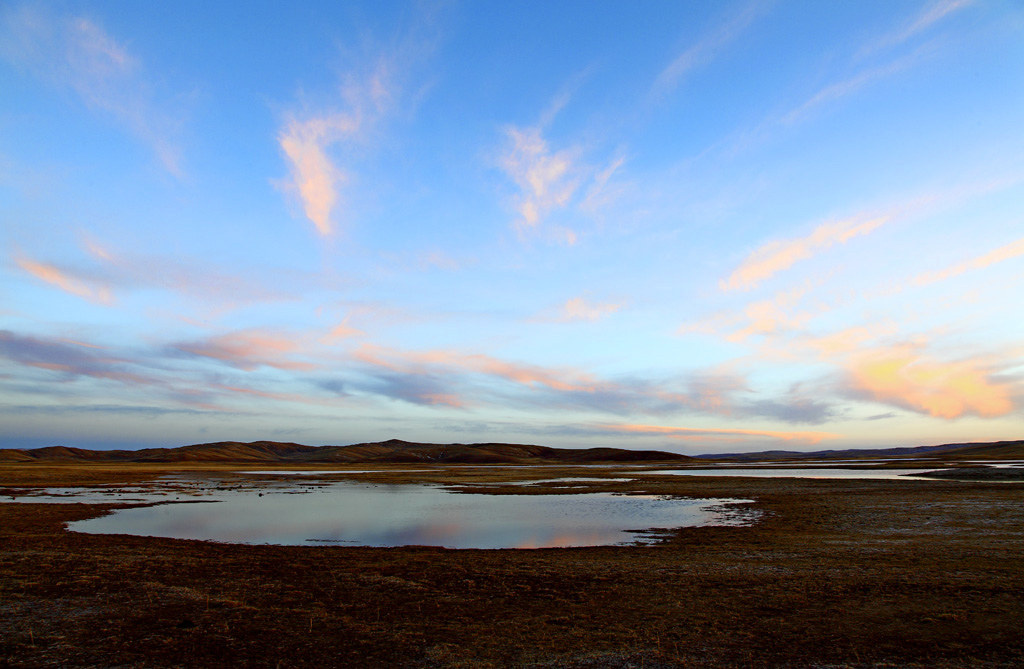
837, 573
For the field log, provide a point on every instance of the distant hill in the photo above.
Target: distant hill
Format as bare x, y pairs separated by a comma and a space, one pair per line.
997, 450
382, 452
408, 452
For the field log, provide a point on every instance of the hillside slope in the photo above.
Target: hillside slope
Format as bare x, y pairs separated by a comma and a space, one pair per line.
383, 452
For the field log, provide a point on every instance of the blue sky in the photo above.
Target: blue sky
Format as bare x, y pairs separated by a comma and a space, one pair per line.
699, 226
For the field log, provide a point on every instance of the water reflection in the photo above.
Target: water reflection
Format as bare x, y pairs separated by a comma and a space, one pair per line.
801, 473
351, 513
327, 472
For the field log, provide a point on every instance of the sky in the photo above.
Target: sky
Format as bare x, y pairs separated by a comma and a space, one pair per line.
703, 227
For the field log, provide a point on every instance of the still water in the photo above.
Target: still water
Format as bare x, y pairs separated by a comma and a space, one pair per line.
801, 472
358, 514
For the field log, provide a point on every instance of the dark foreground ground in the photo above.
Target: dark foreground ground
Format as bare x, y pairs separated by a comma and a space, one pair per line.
836, 574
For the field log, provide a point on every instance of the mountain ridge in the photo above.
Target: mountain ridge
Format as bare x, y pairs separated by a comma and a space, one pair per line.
399, 451
382, 452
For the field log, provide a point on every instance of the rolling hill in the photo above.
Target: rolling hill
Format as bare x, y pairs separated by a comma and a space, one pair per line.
383, 452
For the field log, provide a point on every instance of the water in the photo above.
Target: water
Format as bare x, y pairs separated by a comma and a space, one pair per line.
357, 514
800, 473
800, 463
142, 494
328, 472
563, 482
998, 464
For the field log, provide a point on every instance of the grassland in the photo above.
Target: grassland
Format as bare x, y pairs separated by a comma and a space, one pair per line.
838, 573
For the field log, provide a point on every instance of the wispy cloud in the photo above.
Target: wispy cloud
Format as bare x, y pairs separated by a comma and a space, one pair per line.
848, 86
71, 359
223, 390
186, 276
700, 433
578, 309
108, 273
928, 16
1001, 254
86, 288
423, 361
547, 180
314, 176
774, 315
77, 53
599, 194
322, 145
793, 409
342, 331
791, 311
441, 260
550, 179
424, 389
904, 376
852, 78
413, 375
777, 256
842, 343
874, 363
161, 373
247, 350
708, 47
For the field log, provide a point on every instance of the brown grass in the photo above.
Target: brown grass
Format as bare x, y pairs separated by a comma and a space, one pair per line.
837, 574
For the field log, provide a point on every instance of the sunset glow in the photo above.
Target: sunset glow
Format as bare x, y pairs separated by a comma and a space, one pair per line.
689, 226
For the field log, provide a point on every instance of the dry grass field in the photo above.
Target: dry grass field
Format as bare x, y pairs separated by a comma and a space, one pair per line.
837, 573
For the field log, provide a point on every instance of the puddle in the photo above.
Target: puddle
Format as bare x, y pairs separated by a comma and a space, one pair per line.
356, 514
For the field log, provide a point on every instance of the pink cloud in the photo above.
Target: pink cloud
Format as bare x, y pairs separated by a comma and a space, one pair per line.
698, 432
530, 375
341, 331
277, 397
443, 399
777, 256
423, 373
315, 177
247, 350
773, 315
546, 180
903, 376
130, 271
309, 144
578, 309
1001, 254
86, 289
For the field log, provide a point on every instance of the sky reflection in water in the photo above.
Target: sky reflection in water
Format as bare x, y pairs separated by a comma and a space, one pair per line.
347, 513
801, 472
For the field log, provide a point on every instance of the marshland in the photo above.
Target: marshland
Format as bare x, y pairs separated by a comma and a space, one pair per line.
796, 572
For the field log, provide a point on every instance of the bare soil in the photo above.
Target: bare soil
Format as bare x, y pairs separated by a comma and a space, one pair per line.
837, 573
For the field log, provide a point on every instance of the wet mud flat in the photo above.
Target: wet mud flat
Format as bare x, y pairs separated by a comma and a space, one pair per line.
836, 573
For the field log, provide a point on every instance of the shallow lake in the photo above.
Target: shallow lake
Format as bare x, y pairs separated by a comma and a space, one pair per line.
800, 472
357, 514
